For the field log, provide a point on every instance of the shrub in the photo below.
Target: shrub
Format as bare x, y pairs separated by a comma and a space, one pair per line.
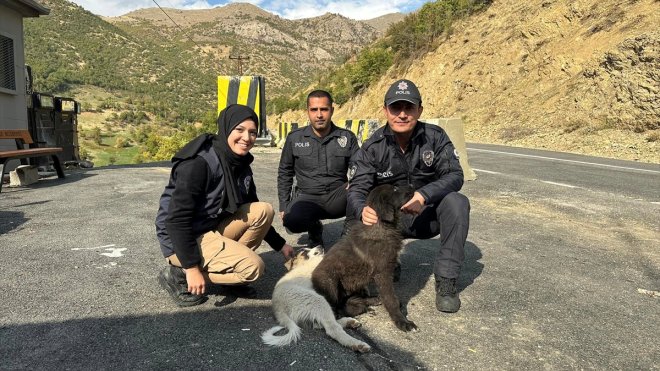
121, 142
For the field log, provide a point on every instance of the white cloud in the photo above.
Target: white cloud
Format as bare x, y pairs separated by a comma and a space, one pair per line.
350, 9
357, 9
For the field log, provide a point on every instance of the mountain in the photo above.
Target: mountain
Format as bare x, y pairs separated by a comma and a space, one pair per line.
579, 76
170, 70
383, 22
287, 52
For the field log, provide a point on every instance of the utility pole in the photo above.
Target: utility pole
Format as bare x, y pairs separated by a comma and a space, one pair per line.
240, 60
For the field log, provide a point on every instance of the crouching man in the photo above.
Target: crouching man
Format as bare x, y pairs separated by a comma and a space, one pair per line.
410, 152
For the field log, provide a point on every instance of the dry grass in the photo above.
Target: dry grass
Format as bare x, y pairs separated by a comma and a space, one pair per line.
516, 132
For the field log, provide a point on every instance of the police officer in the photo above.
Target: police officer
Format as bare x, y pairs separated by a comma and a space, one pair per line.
318, 156
209, 219
410, 152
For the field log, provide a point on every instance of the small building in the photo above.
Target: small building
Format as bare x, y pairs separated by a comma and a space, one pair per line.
13, 102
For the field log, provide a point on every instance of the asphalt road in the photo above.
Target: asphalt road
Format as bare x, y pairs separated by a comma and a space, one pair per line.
562, 271
625, 178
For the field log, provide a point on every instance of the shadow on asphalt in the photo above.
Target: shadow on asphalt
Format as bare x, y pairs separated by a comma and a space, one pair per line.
76, 174
212, 339
53, 181
417, 266
10, 220
135, 166
225, 338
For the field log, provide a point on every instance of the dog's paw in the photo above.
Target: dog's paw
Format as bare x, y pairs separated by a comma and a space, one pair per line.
361, 347
349, 322
353, 323
373, 300
406, 325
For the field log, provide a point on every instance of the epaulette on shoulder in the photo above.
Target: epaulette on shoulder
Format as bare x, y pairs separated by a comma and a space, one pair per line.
296, 132
297, 129
346, 131
376, 137
437, 129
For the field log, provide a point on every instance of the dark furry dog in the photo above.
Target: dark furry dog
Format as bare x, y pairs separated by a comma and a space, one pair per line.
366, 253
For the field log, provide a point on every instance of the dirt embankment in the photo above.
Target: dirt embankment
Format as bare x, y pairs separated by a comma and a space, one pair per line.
580, 76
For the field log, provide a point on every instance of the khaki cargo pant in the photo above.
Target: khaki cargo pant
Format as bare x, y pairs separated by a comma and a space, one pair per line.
228, 253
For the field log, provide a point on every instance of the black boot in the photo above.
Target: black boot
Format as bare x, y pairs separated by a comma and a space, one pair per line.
240, 291
446, 297
316, 235
173, 280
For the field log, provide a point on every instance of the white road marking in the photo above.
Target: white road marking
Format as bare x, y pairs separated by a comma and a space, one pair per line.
651, 293
564, 160
486, 171
114, 253
91, 248
560, 184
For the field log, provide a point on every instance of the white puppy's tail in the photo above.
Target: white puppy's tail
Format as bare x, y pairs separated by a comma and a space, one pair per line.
291, 336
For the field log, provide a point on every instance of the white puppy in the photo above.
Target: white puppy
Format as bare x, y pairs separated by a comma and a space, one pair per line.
295, 301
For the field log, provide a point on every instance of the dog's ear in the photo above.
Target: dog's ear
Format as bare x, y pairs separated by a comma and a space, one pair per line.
381, 201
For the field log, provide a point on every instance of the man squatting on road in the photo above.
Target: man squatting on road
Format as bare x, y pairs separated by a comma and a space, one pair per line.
410, 152
318, 156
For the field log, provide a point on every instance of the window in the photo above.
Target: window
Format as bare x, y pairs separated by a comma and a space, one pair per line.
7, 73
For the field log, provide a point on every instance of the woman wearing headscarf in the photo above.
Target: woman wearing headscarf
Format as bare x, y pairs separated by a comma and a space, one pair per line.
210, 220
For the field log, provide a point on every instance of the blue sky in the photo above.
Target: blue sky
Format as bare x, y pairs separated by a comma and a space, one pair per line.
355, 9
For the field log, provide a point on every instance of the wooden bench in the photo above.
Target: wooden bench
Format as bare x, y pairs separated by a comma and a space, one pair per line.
22, 138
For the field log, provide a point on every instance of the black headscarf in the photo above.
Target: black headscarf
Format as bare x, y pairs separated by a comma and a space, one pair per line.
232, 164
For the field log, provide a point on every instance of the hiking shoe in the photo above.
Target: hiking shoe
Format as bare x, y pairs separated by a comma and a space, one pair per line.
173, 280
316, 235
446, 297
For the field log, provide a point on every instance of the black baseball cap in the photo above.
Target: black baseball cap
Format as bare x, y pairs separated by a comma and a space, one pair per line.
403, 90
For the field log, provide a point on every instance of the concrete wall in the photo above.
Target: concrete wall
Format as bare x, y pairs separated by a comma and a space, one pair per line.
13, 106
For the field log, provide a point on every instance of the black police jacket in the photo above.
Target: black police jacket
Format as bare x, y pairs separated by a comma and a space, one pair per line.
320, 165
430, 165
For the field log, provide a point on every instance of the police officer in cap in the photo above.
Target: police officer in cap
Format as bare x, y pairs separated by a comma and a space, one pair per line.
410, 152
317, 156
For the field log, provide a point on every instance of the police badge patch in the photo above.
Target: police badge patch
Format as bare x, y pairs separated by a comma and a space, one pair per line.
246, 182
351, 172
427, 156
342, 140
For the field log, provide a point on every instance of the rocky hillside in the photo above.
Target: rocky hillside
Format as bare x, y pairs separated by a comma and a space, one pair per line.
579, 76
287, 52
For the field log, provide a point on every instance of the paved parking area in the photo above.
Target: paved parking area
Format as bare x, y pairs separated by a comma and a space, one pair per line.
79, 260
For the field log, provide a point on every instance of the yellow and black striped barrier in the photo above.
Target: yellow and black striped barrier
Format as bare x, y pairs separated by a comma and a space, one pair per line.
361, 128
283, 129
246, 90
